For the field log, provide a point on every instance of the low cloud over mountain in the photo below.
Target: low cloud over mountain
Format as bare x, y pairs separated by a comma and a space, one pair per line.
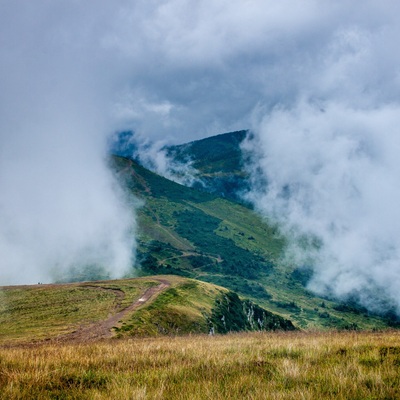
317, 82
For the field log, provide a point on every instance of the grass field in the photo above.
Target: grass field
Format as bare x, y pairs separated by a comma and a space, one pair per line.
40, 312
296, 365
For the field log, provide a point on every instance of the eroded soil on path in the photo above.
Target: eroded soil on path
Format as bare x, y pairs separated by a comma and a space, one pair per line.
104, 329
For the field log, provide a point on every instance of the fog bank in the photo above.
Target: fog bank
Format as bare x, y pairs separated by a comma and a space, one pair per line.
60, 205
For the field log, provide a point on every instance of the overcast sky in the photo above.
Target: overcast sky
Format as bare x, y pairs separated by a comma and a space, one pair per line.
317, 82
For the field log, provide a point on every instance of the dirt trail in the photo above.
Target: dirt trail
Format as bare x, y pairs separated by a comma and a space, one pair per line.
103, 329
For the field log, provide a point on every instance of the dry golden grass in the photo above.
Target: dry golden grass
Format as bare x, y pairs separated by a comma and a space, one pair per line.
40, 312
330, 365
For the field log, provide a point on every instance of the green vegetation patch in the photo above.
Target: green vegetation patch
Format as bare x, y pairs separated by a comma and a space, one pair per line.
200, 229
247, 229
178, 310
244, 286
226, 155
231, 314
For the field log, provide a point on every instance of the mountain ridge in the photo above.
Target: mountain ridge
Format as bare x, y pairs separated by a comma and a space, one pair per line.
201, 235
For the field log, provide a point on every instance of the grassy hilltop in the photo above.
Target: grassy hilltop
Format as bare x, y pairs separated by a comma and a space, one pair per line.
151, 306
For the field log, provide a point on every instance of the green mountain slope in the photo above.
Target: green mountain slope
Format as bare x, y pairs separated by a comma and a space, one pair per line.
214, 155
151, 306
218, 162
191, 233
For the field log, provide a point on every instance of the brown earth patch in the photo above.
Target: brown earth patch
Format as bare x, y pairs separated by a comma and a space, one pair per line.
104, 329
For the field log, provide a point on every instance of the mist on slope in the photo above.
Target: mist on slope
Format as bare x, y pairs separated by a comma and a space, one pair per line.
325, 166
317, 81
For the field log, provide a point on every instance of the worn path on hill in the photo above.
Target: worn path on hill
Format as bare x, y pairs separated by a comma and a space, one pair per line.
103, 329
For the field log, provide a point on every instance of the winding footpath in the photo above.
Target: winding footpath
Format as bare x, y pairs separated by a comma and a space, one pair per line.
104, 329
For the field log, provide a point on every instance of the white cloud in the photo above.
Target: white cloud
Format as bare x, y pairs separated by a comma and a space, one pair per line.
325, 162
320, 80
60, 206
